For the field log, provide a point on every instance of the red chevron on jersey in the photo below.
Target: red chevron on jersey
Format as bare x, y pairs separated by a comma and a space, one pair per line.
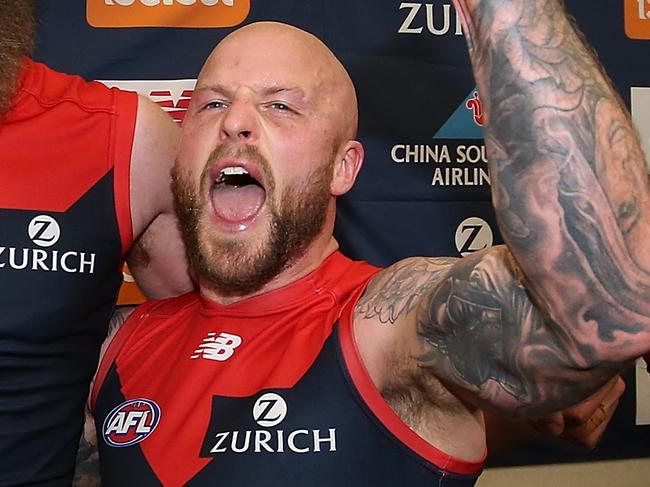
203, 349
259, 390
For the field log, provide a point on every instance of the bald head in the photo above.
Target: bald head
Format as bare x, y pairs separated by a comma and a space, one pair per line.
281, 54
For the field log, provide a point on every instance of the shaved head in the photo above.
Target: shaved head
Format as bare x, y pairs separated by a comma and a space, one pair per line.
17, 25
275, 106
300, 55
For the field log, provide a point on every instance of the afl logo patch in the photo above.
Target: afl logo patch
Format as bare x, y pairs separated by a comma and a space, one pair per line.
131, 422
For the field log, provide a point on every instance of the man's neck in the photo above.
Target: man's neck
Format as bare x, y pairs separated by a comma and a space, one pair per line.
313, 257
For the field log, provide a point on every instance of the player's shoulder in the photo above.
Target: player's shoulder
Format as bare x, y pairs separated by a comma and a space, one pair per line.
52, 87
413, 269
164, 308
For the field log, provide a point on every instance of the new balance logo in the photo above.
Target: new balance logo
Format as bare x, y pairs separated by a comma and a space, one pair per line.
217, 347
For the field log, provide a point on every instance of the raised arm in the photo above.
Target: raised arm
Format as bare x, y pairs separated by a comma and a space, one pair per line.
157, 258
569, 181
470, 327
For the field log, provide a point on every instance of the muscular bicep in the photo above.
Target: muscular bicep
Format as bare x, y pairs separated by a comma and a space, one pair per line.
472, 324
484, 331
157, 258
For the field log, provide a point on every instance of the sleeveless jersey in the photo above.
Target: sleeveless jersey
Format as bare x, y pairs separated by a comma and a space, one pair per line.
65, 224
270, 391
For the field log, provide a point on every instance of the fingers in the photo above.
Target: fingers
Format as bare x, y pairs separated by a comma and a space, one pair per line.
550, 424
605, 398
586, 422
589, 433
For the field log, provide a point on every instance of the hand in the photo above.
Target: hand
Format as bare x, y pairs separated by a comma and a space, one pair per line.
585, 422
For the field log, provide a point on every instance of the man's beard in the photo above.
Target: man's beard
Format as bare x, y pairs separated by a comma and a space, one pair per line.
17, 25
236, 267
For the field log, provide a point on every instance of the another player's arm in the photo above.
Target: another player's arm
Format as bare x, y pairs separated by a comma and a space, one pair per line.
157, 259
569, 180
86, 472
87, 466
471, 324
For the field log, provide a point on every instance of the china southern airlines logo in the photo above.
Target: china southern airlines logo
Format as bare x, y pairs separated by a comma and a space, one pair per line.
131, 422
474, 104
217, 347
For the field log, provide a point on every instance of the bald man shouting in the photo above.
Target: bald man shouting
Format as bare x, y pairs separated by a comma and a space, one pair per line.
294, 365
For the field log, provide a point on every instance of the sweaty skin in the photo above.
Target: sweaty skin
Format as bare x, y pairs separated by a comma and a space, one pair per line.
441, 338
283, 98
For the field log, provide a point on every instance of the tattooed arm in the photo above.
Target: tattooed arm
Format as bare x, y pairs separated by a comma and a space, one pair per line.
570, 186
471, 325
87, 467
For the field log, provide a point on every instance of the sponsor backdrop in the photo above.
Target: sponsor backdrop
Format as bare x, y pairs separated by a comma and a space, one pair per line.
425, 186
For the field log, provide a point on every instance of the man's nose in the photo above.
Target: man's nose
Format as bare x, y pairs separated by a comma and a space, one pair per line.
240, 122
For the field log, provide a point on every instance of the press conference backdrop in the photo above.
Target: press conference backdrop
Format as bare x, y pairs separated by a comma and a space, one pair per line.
424, 189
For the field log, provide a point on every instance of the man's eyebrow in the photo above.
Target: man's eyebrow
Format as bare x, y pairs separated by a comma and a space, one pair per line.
277, 90
214, 89
264, 91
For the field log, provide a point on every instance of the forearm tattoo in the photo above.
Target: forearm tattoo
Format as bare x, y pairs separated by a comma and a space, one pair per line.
570, 185
87, 472
87, 468
120, 315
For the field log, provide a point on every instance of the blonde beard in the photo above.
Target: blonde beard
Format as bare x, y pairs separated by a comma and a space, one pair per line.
18, 25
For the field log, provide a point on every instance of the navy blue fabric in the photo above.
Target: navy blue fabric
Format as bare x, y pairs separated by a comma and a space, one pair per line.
411, 86
46, 369
360, 451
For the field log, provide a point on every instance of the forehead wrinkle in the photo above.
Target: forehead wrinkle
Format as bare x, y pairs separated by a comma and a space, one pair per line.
290, 92
299, 58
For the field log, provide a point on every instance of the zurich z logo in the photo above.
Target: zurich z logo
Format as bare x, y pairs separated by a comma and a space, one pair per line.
131, 422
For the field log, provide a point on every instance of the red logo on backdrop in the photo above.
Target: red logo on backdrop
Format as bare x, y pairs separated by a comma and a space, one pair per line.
175, 108
474, 104
131, 422
171, 95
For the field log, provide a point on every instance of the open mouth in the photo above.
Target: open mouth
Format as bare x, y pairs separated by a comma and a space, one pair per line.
237, 196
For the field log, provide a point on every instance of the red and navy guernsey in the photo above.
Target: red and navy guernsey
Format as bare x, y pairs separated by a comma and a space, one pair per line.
270, 391
65, 224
